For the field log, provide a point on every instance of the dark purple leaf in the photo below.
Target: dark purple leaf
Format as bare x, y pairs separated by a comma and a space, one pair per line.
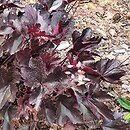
88, 116
87, 57
13, 44
7, 86
32, 74
6, 124
46, 3
91, 71
66, 114
5, 94
51, 60
1, 51
44, 20
32, 77
85, 40
100, 110
36, 97
58, 29
6, 30
69, 1
116, 125
75, 35
31, 14
95, 102
39, 69
58, 16
102, 96
24, 107
86, 34
57, 75
23, 57
8, 5
110, 70
80, 45
50, 115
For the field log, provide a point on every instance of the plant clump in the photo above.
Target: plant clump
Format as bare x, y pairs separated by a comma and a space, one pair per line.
37, 86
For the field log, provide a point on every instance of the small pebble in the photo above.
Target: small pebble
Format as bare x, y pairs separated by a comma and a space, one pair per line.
125, 46
119, 51
112, 32
116, 18
63, 45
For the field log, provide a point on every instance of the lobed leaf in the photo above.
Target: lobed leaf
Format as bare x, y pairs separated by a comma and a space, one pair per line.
110, 70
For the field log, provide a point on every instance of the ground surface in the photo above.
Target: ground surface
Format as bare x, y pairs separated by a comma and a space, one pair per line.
110, 19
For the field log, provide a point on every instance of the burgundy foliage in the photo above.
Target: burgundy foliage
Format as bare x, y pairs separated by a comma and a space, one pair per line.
37, 85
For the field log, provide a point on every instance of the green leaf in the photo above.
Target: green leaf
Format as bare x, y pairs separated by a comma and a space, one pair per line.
124, 103
127, 117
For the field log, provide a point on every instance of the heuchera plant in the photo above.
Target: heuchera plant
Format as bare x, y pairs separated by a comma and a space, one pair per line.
36, 85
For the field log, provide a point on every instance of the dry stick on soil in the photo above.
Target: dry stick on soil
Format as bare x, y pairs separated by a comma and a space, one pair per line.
71, 7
